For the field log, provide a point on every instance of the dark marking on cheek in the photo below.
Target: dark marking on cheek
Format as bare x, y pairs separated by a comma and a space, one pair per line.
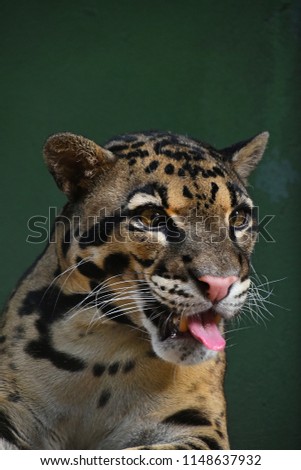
163, 193
115, 313
93, 285
152, 167
89, 269
104, 398
146, 263
100, 232
116, 263
187, 193
132, 161
181, 172
98, 370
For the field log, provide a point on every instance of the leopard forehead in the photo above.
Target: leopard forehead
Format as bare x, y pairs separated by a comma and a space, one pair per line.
194, 172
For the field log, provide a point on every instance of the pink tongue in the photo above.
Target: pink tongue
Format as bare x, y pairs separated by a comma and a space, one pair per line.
204, 329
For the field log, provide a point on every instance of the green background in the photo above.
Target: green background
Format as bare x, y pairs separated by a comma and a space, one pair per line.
220, 71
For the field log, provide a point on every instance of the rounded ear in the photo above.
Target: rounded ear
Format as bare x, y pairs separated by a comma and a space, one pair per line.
245, 155
75, 161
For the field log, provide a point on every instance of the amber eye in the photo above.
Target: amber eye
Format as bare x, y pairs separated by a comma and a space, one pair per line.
153, 217
239, 219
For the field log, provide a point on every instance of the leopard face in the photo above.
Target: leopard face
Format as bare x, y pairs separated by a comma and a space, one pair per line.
162, 232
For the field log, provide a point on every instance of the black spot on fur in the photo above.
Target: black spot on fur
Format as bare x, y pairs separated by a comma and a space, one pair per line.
89, 269
152, 166
104, 398
169, 169
214, 190
138, 144
186, 258
188, 417
113, 368
218, 171
2, 339
116, 263
232, 192
137, 154
98, 370
132, 161
187, 193
118, 148
128, 366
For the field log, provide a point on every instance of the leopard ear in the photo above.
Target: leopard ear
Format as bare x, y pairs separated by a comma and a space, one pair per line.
245, 155
75, 162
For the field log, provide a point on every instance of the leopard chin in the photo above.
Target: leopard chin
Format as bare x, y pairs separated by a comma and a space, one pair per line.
187, 340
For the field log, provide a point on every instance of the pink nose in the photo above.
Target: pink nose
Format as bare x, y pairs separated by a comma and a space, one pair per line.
218, 286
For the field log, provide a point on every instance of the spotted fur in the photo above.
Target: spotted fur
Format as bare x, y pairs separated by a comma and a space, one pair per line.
92, 351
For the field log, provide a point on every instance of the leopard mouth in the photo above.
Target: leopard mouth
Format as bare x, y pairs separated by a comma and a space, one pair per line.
201, 327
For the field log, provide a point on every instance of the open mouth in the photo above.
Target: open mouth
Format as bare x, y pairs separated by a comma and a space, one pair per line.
203, 327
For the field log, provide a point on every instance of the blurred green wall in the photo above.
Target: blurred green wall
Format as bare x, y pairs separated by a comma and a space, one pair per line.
219, 70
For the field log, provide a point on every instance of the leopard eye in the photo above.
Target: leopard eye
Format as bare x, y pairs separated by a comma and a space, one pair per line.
239, 219
153, 217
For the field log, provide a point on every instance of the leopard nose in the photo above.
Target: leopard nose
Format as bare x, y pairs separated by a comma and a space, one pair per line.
218, 287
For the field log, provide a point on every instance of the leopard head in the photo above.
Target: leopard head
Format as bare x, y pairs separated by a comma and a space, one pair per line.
161, 229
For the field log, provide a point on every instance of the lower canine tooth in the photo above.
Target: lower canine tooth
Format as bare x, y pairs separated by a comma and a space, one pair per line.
183, 325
